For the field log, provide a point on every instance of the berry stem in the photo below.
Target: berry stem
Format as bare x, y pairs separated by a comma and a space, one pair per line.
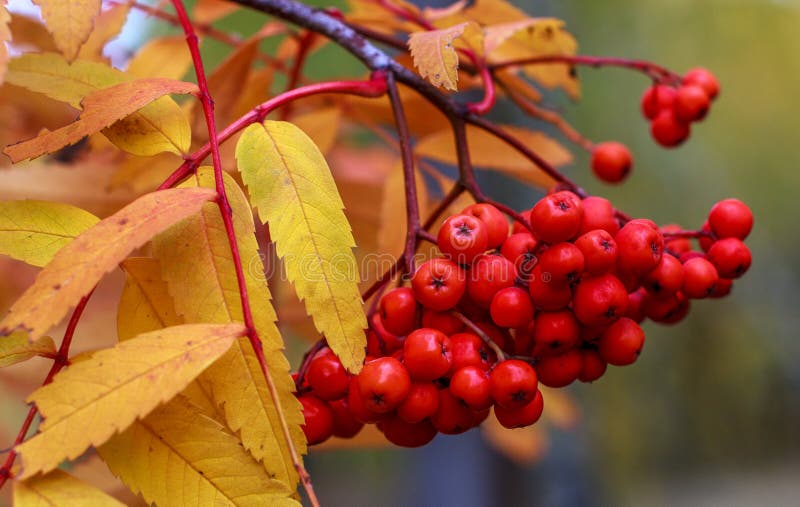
489, 93
307, 358
687, 234
656, 72
501, 356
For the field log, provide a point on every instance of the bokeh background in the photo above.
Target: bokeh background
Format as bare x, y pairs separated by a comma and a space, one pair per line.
710, 413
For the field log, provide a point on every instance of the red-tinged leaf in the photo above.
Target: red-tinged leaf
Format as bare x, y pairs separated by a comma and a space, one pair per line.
435, 55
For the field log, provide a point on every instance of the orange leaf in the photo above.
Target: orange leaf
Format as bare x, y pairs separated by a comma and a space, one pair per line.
106, 27
435, 55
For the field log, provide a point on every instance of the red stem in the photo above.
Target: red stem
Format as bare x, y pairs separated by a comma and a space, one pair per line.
654, 71
687, 234
489, 94
227, 218
304, 45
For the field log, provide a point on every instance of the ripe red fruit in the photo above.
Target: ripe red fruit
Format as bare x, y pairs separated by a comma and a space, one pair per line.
700, 278
557, 217
599, 251
668, 130
600, 301
520, 249
705, 241
470, 384
380, 342
318, 426
453, 417
496, 223
676, 245
489, 274
358, 404
639, 248
517, 226
439, 284
462, 238
561, 370
469, 350
513, 383
691, 103
398, 309
592, 366
666, 309
445, 322
327, 377
345, 425
723, 288
635, 309
730, 218
622, 342
704, 79
563, 262
501, 337
730, 256
421, 403
546, 294
520, 417
554, 332
383, 383
598, 213
426, 354
511, 307
666, 278
404, 434
611, 161
656, 99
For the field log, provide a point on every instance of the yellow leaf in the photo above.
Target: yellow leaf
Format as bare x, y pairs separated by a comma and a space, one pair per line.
208, 11
59, 489
196, 263
486, 12
435, 55
5, 36
372, 14
101, 109
17, 348
496, 35
255, 91
77, 267
522, 445
106, 27
92, 400
167, 57
321, 125
392, 233
145, 304
518, 84
293, 191
144, 174
489, 152
178, 456
160, 126
31, 33
70, 22
33, 231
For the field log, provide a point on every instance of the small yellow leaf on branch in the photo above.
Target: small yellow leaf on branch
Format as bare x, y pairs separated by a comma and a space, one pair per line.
70, 22
93, 399
435, 55
60, 489
78, 267
18, 348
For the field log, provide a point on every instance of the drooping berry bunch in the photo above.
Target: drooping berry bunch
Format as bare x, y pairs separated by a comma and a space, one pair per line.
554, 301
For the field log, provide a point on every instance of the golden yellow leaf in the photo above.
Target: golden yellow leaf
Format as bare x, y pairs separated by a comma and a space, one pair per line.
177, 456
167, 57
196, 263
372, 14
160, 126
77, 267
101, 109
485, 12
518, 84
106, 27
496, 35
30, 33
392, 233
33, 231
18, 348
255, 91
489, 152
208, 11
522, 445
144, 174
292, 189
59, 489
70, 22
321, 125
145, 304
435, 56
93, 399
5, 36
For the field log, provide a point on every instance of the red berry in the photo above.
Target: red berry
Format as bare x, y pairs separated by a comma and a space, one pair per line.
453, 417
383, 383
600, 301
666, 278
554, 332
723, 288
404, 434
469, 350
622, 342
426, 354
421, 403
520, 249
656, 99
592, 366
489, 274
470, 384
668, 130
500, 337
700, 278
598, 213
557, 217
730, 218
358, 404
561, 370
462, 238
611, 161
520, 417
676, 245
635, 310
513, 383
381, 342
345, 425
511, 307
705, 241
445, 322
318, 426
704, 79
599, 251
439, 284
327, 377
398, 309
496, 223
547, 294
666, 309
691, 103
730, 256
517, 226
639, 248
563, 262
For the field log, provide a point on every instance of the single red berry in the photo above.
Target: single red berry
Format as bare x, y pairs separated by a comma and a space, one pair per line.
523, 340
380, 342
704, 79
667, 309
723, 288
426, 354
557, 217
327, 377
520, 417
554, 332
453, 416
598, 213
599, 251
592, 366
462, 238
511, 307
611, 161
731, 257
730, 218
666, 278
398, 309
384, 384
639, 248
421, 403
358, 404
520, 249
489, 274
496, 223
668, 130
700, 278
318, 426
345, 425
445, 322
501, 337
685, 256
691, 103
563, 262
469, 350
561, 370
676, 245
513, 383
622, 342
470, 384
405, 434
546, 293
517, 227
656, 99
439, 284
600, 301
635, 310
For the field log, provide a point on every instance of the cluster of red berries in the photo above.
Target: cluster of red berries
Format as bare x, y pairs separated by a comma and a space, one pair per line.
498, 313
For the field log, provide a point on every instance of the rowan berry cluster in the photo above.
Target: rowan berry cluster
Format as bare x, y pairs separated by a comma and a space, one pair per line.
554, 301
